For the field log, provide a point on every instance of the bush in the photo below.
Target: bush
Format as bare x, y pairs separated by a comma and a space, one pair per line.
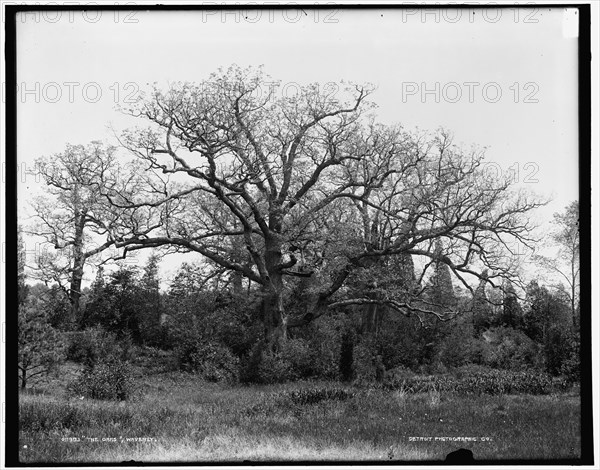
364, 361
96, 344
458, 348
213, 361
298, 354
293, 361
274, 368
105, 380
507, 348
250, 365
557, 349
570, 368
324, 336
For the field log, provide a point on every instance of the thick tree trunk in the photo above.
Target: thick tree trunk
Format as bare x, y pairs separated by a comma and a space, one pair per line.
75, 296
372, 318
77, 274
274, 315
274, 319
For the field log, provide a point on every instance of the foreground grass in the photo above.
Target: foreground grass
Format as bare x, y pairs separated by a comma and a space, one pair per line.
188, 420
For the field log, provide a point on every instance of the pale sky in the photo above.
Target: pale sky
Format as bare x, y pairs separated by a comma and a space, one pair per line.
503, 79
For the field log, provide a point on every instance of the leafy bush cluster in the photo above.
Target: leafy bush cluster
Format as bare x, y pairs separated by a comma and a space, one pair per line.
107, 374
364, 363
95, 344
213, 361
492, 382
105, 380
293, 361
509, 348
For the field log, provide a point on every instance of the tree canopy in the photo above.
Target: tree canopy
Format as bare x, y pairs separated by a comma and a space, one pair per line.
280, 189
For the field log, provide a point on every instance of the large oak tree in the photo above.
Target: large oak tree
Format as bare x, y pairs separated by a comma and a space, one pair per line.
277, 188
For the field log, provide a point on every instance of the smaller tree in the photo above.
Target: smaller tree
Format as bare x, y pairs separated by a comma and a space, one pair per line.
22, 288
116, 305
566, 264
151, 309
41, 347
482, 310
512, 313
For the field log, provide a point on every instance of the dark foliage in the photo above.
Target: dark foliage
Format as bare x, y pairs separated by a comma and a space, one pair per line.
95, 344
346, 357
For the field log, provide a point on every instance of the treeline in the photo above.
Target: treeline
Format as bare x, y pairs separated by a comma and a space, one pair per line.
211, 326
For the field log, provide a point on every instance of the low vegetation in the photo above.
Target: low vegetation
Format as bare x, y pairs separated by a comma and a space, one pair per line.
178, 417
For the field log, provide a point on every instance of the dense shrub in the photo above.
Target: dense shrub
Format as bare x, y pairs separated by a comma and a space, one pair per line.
293, 360
105, 380
215, 362
250, 365
301, 359
96, 344
212, 361
458, 348
570, 368
230, 326
364, 361
507, 348
274, 368
558, 350
324, 336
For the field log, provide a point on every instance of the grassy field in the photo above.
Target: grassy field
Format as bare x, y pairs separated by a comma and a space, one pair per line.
188, 420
